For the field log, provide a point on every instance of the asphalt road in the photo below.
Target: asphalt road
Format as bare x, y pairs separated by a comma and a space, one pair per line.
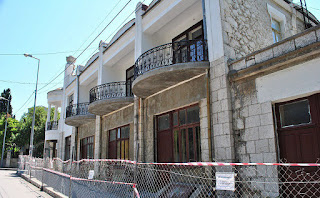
12, 186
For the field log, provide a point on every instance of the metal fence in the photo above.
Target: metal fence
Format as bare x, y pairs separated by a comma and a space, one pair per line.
123, 178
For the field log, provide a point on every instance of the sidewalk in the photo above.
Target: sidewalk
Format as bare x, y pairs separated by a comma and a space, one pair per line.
12, 186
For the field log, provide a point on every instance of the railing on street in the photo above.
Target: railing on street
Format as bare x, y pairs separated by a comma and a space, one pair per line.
111, 90
77, 109
124, 178
170, 54
52, 125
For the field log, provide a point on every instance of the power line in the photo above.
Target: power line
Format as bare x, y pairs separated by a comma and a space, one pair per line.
89, 44
43, 53
24, 103
22, 83
118, 28
100, 24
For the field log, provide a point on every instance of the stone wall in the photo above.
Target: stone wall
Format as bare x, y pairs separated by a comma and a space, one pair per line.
191, 92
114, 120
247, 25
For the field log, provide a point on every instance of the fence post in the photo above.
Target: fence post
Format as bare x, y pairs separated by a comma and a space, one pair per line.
43, 164
30, 160
136, 169
70, 172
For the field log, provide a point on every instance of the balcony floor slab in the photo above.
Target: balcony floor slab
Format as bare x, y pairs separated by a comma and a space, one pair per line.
161, 78
105, 106
79, 120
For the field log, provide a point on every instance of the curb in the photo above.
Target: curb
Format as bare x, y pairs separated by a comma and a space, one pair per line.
37, 183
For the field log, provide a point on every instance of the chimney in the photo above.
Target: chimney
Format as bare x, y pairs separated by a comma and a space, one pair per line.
70, 59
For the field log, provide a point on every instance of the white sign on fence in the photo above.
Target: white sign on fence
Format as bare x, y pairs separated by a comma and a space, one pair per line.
91, 174
225, 181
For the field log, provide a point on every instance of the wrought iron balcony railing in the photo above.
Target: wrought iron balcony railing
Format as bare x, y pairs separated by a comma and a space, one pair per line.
77, 109
52, 125
111, 90
171, 53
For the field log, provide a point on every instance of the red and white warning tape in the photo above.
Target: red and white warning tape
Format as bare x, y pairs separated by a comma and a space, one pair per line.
93, 180
232, 164
105, 160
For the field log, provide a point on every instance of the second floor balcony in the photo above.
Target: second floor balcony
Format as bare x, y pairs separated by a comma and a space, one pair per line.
109, 97
166, 65
78, 114
52, 125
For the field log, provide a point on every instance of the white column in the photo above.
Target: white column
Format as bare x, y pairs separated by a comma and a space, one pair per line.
214, 29
48, 115
138, 34
55, 113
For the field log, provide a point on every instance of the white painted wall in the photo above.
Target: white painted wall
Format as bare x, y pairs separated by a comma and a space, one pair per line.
290, 83
168, 20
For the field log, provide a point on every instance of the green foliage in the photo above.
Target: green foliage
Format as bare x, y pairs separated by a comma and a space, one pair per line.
23, 138
3, 103
12, 132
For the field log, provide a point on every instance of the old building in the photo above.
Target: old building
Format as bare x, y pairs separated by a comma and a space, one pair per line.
191, 80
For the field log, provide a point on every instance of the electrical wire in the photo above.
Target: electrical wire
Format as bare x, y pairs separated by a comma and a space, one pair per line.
22, 83
24, 103
43, 53
89, 44
99, 24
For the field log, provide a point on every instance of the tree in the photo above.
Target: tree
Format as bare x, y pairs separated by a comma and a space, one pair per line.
23, 137
12, 132
3, 103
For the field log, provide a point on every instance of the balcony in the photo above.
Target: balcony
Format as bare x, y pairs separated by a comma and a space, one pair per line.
52, 130
166, 65
52, 125
109, 97
78, 114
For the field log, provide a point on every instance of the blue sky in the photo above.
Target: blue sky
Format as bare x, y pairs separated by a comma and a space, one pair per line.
39, 27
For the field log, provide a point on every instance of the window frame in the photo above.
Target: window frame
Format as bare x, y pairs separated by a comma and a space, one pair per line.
119, 140
312, 109
278, 16
84, 148
67, 148
179, 127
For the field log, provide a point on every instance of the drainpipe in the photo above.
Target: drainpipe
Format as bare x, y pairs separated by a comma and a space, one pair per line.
209, 115
204, 20
208, 83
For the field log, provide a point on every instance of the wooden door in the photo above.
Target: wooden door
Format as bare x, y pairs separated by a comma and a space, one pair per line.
164, 144
298, 124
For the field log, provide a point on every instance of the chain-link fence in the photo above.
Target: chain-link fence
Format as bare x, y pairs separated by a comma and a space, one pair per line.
123, 178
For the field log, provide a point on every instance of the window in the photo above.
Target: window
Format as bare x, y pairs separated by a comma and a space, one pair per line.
70, 100
86, 147
295, 113
184, 127
67, 148
129, 80
276, 30
188, 46
278, 22
119, 143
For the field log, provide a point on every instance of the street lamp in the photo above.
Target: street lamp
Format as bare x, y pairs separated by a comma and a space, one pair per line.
34, 106
5, 130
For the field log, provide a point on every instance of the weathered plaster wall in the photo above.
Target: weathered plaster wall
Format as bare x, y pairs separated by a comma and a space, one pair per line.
114, 120
84, 131
252, 124
185, 94
254, 136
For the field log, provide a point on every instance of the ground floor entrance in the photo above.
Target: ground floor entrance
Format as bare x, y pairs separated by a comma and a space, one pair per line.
178, 135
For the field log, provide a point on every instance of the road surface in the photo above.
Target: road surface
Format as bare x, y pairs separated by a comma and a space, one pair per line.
13, 186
